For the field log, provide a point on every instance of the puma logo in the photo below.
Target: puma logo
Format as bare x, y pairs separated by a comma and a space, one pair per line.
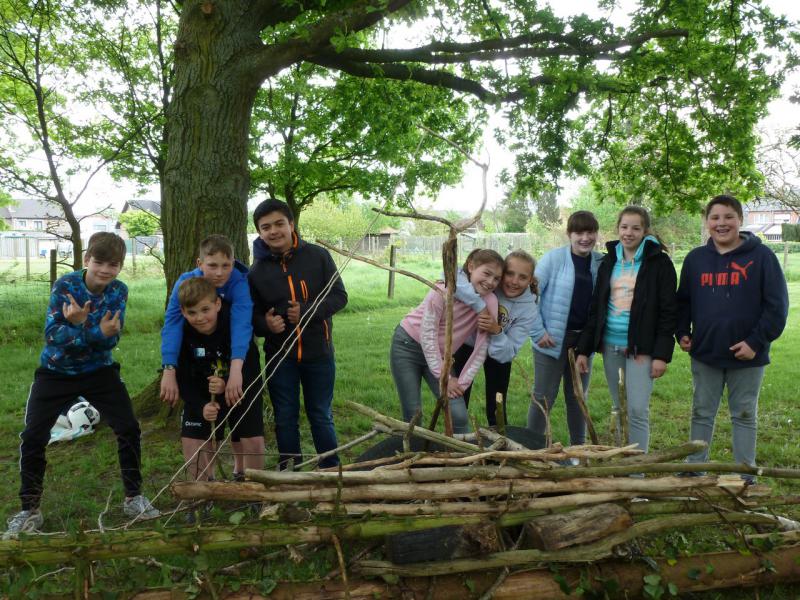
740, 269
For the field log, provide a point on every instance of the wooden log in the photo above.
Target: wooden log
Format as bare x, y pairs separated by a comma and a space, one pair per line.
529, 505
627, 469
383, 476
663, 456
212, 490
698, 573
581, 526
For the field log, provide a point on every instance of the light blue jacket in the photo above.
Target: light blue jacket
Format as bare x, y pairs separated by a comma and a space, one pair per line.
517, 316
556, 275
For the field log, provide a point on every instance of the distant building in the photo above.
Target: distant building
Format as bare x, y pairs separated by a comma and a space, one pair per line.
765, 216
147, 244
33, 215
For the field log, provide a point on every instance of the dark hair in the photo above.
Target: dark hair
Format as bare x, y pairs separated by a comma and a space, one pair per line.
525, 257
215, 244
106, 247
482, 256
194, 290
582, 220
270, 206
725, 200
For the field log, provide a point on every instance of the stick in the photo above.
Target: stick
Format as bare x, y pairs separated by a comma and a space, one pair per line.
350, 444
623, 407
577, 387
500, 414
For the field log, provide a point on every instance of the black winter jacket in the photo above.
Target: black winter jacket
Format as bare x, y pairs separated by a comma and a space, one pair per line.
653, 311
301, 275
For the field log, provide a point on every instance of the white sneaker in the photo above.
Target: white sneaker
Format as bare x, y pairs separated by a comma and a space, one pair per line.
139, 506
25, 521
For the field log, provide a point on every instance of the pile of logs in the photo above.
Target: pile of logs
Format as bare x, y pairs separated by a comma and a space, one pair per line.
451, 510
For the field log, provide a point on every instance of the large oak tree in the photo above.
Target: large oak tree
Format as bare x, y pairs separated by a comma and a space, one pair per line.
668, 103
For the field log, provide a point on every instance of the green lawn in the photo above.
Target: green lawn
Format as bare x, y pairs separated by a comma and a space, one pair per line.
80, 474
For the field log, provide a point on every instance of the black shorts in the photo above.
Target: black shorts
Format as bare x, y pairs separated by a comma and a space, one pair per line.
244, 420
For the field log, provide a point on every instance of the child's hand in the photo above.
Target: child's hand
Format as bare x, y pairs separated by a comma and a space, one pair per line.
211, 411
110, 326
169, 387
293, 312
685, 343
74, 312
657, 368
743, 351
546, 341
582, 363
487, 323
454, 390
233, 390
216, 385
275, 323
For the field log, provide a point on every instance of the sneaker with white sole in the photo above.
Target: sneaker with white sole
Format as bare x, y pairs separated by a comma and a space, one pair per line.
25, 521
139, 506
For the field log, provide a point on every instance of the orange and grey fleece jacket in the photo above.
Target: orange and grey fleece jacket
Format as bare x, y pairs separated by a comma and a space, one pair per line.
299, 275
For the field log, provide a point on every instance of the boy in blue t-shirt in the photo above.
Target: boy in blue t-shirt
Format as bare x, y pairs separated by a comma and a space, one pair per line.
215, 263
84, 319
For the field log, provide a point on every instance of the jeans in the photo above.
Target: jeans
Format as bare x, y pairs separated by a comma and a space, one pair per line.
548, 373
409, 368
317, 378
743, 389
638, 387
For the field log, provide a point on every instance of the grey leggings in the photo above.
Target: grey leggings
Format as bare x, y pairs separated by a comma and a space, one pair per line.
409, 368
548, 373
638, 387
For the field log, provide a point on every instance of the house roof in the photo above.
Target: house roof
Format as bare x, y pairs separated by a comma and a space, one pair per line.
150, 206
766, 204
30, 208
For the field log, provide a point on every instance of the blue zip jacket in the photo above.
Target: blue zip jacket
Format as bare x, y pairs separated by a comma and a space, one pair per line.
236, 291
727, 298
77, 349
556, 275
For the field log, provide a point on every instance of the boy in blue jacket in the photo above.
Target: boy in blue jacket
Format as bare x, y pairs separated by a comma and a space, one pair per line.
733, 302
84, 319
216, 263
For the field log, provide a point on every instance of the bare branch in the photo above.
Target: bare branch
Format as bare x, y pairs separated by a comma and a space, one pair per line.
374, 263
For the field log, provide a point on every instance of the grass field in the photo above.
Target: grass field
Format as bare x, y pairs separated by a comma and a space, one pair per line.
81, 474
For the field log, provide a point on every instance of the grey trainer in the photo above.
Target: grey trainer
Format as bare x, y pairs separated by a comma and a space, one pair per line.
24, 521
139, 506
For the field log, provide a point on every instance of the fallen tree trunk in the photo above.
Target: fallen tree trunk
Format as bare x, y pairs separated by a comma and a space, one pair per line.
581, 526
703, 572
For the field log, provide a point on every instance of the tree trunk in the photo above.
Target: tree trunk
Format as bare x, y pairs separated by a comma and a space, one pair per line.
206, 178
553, 532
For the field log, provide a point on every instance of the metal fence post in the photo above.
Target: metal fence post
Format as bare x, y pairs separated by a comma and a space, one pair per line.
27, 259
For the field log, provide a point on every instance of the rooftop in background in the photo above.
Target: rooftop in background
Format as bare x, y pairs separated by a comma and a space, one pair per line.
151, 206
29, 208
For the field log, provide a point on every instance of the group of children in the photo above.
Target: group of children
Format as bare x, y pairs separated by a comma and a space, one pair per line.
732, 302
210, 359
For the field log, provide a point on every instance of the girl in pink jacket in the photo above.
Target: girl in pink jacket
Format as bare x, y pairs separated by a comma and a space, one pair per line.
418, 344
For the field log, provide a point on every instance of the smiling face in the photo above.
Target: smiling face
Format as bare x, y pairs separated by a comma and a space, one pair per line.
276, 230
582, 242
484, 278
203, 316
723, 224
517, 276
631, 231
99, 273
216, 268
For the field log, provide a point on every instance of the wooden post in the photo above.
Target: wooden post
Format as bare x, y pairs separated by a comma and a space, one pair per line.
133, 253
785, 255
53, 266
392, 263
27, 258
577, 388
623, 408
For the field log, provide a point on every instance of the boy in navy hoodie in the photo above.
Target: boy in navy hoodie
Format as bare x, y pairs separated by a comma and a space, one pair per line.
733, 302
215, 263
